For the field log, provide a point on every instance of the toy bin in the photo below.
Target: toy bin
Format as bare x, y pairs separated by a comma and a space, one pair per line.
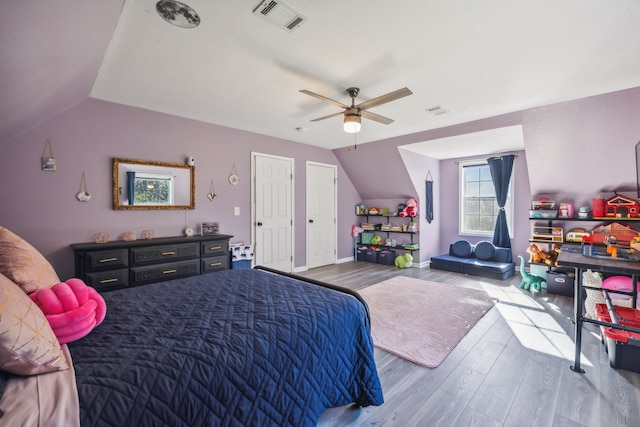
559, 283
371, 255
623, 347
360, 253
386, 257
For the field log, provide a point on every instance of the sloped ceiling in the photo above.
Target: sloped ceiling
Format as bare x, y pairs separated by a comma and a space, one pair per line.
475, 59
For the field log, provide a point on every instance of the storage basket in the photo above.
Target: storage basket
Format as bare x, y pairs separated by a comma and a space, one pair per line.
386, 257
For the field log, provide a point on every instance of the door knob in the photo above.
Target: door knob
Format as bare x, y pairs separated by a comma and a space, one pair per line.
310, 221
259, 224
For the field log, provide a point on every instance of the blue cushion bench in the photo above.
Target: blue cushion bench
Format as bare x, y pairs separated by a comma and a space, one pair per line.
484, 259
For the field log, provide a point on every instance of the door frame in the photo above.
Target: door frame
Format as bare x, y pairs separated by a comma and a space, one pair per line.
254, 155
335, 208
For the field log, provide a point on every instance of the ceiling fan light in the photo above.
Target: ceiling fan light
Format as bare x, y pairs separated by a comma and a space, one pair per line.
352, 123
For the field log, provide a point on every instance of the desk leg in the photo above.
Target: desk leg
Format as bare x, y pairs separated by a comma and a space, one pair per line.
577, 309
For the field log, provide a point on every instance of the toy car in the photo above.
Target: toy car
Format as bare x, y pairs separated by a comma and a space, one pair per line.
576, 234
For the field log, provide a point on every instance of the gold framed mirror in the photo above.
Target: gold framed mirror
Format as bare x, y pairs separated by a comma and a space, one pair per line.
144, 184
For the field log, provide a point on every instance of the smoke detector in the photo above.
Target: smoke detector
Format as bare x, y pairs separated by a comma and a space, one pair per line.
437, 110
279, 14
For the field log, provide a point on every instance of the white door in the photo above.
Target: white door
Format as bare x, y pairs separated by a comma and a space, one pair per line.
321, 214
273, 211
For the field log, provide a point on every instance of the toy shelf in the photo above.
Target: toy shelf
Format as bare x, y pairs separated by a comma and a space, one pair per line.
380, 231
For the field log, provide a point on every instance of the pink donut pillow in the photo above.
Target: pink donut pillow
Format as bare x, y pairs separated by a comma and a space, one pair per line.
72, 308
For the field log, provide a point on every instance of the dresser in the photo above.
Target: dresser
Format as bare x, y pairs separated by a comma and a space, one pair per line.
118, 264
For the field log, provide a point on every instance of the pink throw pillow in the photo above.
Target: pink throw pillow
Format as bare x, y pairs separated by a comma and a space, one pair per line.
72, 308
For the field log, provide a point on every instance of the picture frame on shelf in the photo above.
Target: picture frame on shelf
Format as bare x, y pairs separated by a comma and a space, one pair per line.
208, 228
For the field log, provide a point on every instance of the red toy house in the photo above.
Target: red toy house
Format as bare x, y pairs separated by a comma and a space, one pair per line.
619, 231
621, 207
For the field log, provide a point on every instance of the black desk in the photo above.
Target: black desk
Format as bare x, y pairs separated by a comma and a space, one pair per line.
581, 263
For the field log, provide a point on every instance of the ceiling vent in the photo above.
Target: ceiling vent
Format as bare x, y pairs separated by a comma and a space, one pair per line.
279, 14
438, 110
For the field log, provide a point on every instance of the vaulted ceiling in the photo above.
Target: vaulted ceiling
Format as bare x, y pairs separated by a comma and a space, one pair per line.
473, 59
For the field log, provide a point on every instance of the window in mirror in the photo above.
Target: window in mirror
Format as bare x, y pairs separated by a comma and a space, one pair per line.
141, 184
151, 189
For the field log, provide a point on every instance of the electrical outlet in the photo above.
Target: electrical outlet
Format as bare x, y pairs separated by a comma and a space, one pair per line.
236, 210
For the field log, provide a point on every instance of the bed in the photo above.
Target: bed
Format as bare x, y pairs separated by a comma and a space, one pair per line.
232, 348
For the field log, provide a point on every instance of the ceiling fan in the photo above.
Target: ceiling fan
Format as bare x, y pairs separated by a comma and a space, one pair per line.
353, 113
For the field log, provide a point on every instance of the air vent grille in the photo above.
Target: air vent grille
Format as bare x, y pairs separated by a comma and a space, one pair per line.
279, 14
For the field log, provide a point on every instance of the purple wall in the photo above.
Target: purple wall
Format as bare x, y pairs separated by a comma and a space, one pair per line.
41, 206
573, 151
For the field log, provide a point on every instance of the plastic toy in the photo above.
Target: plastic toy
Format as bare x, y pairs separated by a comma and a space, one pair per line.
376, 240
529, 280
404, 261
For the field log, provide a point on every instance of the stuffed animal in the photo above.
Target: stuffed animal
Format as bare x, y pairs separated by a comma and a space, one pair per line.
404, 261
411, 209
529, 280
72, 308
536, 256
552, 256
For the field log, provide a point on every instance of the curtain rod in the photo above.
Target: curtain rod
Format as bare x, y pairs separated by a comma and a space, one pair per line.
472, 160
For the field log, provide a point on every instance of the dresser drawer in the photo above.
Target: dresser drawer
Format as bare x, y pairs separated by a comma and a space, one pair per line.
214, 248
155, 254
100, 260
167, 271
212, 264
106, 280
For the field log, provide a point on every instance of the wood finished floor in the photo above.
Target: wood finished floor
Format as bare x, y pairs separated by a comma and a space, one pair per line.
512, 368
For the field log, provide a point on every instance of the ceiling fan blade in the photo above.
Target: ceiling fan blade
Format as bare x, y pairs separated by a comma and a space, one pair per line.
376, 117
391, 96
325, 99
341, 113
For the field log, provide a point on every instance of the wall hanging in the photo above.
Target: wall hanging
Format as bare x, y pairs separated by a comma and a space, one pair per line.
233, 178
83, 195
48, 161
429, 198
212, 193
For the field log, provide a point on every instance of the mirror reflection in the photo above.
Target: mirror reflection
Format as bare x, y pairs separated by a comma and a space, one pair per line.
142, 184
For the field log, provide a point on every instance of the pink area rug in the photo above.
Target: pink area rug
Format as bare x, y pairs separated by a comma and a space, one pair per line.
422, 321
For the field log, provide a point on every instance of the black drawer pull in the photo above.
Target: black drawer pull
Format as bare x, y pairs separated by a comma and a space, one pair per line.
215, 248
169, 271
108, 259
215, 264
168, 253
108, 281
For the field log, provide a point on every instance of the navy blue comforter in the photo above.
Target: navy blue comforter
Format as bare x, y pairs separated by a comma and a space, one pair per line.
234, 348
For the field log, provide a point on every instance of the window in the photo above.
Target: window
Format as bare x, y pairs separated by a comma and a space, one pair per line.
153, 189
478, 205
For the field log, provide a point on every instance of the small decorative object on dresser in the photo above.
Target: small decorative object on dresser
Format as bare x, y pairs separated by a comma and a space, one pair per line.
129, 236
101, 237
208, 228
147, 234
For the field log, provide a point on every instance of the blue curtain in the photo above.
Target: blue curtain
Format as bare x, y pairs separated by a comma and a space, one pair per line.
501, 168
131, 186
